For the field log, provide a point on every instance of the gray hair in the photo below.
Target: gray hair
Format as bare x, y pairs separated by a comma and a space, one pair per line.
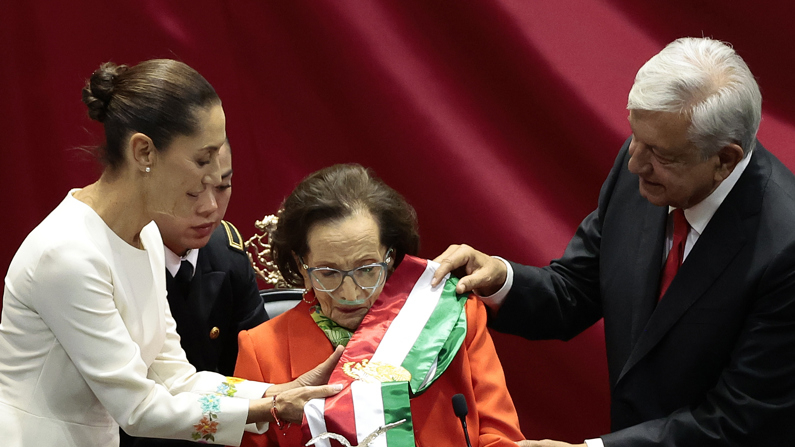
707, 81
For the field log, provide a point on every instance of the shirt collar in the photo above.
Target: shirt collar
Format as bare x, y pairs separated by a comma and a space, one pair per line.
699, 215
173, 261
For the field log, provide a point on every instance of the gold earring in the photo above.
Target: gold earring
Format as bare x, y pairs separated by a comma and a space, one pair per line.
304, 294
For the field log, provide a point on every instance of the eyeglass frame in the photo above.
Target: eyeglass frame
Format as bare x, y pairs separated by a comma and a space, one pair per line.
347, 273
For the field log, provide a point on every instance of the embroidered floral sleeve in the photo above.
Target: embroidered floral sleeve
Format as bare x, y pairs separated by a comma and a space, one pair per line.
227, 387
205, 430
207, 426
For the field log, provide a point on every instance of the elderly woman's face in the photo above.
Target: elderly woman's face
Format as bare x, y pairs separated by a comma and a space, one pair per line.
344, 245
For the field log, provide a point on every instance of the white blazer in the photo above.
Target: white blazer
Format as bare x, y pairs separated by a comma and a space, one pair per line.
87, 343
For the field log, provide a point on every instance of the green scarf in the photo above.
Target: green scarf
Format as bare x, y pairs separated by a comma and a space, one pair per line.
336, 334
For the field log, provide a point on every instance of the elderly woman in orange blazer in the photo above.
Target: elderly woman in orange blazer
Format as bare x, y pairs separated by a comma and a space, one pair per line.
348, 239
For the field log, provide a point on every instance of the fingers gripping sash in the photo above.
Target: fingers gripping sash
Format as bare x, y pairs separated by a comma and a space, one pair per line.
406, 341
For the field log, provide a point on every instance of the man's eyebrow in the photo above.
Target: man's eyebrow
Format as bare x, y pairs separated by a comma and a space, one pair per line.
227, 174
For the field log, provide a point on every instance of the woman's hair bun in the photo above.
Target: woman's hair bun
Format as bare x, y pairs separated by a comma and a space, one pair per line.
99, 88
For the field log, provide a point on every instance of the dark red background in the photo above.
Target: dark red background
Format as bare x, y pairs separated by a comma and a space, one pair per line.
497, 120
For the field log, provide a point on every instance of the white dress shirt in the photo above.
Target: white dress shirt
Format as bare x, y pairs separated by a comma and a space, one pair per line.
174, 261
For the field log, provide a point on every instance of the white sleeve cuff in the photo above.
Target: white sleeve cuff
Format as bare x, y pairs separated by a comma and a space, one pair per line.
495, 301
595, 442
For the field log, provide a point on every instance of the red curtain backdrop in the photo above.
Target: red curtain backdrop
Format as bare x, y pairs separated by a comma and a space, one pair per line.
498, 120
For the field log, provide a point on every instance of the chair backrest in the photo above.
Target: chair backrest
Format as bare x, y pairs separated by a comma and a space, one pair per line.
278, 301
258, 248
280, 298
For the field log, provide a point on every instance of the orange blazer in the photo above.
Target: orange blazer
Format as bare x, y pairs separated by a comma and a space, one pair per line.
287, 346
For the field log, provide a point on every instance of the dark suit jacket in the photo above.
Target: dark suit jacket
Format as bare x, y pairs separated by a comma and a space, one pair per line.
223, 295
714, 362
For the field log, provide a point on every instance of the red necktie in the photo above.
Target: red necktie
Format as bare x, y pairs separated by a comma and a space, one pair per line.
677, 253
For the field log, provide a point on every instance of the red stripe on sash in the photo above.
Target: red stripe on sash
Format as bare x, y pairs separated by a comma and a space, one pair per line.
367, 337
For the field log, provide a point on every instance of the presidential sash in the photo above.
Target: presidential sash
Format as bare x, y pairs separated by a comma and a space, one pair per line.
405, 342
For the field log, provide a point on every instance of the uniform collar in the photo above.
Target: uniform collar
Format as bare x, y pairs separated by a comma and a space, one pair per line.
173, 261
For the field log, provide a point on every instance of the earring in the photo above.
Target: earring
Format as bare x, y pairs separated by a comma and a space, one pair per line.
148, 169
304, 294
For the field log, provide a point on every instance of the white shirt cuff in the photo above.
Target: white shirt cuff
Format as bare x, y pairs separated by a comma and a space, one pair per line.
595, 442
495, 300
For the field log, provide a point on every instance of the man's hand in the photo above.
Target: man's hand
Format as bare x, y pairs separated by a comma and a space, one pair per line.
478, 271
547, 443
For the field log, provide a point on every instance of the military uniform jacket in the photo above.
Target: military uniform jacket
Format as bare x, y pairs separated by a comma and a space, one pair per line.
222, 299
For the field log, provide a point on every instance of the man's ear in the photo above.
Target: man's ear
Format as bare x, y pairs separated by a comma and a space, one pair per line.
728, 158
143, 151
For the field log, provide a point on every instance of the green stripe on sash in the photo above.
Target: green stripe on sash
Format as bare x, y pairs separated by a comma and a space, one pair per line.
396, 407
440, 340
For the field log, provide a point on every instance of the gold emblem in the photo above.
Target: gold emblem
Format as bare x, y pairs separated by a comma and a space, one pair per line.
214, 333
374, 372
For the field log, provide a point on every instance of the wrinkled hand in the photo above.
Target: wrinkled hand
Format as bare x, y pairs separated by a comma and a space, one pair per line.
478, 271
320, 374
290, 404
547, 443
292, 396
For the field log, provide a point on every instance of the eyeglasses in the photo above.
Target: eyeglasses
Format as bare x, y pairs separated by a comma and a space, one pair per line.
367, 277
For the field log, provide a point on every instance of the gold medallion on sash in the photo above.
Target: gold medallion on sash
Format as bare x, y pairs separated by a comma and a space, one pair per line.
374, 372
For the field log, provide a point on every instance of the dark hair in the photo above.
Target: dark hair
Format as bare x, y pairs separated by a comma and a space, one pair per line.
335, 193
158, 98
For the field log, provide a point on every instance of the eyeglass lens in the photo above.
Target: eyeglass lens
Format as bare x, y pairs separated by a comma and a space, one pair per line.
366, 277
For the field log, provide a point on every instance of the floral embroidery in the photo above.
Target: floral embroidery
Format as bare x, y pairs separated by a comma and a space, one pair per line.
207, 426
210, 403
205, 429
211, 406
228, 388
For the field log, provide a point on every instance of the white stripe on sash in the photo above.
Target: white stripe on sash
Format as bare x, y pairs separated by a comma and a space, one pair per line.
368, 411
314, 411
411, 320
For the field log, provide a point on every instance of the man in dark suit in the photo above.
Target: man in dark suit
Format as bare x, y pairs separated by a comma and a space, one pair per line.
689, 258
212, 288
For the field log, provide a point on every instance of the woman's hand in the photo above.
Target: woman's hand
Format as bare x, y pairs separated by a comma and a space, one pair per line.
289, 403
320, 374
292, 396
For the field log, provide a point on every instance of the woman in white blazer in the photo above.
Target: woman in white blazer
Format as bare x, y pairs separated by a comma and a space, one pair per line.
87, 342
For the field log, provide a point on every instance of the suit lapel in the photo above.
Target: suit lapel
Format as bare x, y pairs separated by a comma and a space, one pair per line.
715, 249
646, 278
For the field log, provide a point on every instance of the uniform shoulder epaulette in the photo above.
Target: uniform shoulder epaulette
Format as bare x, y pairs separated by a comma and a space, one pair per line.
233, 236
